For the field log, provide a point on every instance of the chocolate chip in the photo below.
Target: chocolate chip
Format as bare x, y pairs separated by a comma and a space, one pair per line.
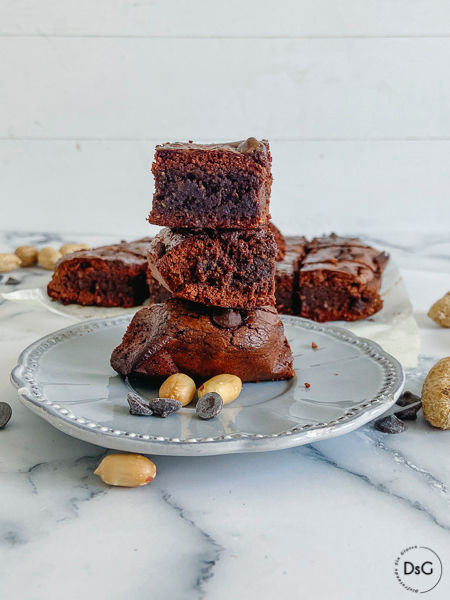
407, 398
163, 407
227, 318
411, 403
409, 413
390, 424
5, 414
12, 281
209, 405
137, 406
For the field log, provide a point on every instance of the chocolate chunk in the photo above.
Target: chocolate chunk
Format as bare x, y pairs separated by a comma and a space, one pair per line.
227, 318
138, 406
390, 424
412, 404
5, 414
209, 405
407, 398
163, 407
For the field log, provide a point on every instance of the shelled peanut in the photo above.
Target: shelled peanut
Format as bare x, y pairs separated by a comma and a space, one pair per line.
29, 256
126, 470
9, 262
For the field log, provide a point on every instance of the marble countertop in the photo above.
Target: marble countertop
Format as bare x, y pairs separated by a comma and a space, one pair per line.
320, 521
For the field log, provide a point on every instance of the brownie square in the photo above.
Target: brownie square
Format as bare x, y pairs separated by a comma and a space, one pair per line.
203, 341
212, 185
228, 268
106, 276
286, 276
337, 290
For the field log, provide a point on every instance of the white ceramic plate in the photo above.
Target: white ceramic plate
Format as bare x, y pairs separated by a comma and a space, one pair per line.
66, 379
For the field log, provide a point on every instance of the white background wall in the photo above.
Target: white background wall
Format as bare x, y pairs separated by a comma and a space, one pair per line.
354, 96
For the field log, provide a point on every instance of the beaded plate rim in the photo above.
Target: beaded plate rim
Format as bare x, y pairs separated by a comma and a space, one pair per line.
32, 396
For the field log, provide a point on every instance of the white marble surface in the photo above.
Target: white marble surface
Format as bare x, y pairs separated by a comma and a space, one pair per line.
321, 521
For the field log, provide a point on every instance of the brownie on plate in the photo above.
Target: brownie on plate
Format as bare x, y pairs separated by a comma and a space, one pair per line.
232, 268
202, 341
286, 275
106, 276
212, 185
340, 279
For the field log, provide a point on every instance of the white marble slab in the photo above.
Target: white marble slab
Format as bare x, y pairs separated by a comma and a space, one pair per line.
322, 521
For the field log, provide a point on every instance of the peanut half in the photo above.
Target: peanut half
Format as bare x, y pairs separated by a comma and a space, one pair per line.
179, 387
440, 311
9, 262
48, 257
69, 248
227, 386
27, 254
436, 395
126, 470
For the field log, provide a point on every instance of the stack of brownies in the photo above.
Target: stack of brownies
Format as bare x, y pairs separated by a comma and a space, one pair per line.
216, 256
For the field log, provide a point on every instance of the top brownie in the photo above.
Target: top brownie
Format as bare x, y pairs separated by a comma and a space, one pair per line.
221, 186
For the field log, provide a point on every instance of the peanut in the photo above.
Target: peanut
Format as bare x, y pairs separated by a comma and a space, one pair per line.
440, 311
179, 387
69, 248
126, 470
48, 257
27, 254
436, 395
227, 386
9, 262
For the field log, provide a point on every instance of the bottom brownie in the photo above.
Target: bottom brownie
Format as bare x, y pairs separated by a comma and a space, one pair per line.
180, 336
107, 276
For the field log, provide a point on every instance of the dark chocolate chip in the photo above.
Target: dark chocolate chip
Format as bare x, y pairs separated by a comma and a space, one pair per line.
5, 414
138, 406
227, 318
407, 398
390, 424
409, 413
209, 405
163, 407
411, 403
12, 281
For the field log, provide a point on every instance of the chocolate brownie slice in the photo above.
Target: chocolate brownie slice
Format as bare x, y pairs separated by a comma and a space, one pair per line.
337, 289
212, 185
231, 268
286, 275
181, 336
106, 276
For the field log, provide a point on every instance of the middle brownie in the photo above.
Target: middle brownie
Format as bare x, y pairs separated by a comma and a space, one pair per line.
232, 268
